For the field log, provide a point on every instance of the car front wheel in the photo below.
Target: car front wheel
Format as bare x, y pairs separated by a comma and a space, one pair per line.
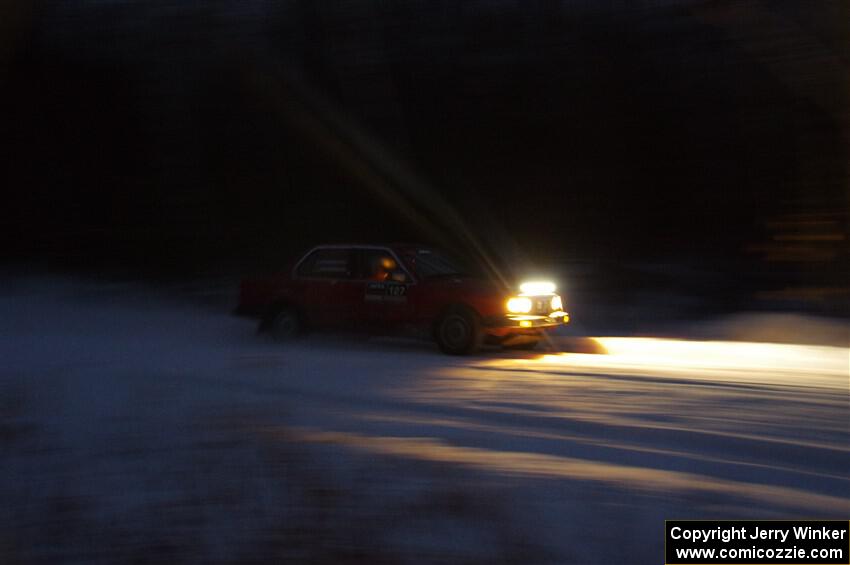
459, 332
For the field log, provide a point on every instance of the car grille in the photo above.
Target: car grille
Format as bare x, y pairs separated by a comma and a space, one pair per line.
541, 305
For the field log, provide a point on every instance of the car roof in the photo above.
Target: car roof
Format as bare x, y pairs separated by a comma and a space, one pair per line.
351, 245
394, 246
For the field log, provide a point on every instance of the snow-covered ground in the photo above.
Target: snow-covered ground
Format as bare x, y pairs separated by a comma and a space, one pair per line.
136, 427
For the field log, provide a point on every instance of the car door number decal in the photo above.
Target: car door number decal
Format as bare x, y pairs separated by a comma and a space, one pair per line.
385, 292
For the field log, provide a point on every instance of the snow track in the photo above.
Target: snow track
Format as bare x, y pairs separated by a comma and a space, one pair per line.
134, 425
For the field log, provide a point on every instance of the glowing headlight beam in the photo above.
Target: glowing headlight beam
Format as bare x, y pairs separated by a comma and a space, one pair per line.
519, 305
537, 287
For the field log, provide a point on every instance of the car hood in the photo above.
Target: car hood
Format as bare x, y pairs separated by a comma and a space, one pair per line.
472, 284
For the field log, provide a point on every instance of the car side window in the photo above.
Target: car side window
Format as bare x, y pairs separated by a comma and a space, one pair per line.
330, 263
380, 265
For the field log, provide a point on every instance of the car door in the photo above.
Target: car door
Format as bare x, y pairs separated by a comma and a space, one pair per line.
386, 287
332, 295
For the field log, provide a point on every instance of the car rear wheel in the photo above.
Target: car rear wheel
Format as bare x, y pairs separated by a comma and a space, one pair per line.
459, 332
284, 324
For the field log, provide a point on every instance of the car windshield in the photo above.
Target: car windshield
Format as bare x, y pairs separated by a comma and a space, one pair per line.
431, 263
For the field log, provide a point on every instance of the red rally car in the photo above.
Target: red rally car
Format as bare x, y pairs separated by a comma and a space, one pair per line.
399, 289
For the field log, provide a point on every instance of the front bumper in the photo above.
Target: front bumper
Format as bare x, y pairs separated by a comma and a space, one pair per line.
526, 321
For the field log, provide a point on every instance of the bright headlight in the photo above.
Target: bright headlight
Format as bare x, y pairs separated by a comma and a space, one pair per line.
519, 305
556, 304
537, 287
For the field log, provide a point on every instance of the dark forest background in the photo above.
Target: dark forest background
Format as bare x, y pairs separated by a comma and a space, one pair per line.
199, 138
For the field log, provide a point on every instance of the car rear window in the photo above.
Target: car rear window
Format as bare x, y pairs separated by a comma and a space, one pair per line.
332, 263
